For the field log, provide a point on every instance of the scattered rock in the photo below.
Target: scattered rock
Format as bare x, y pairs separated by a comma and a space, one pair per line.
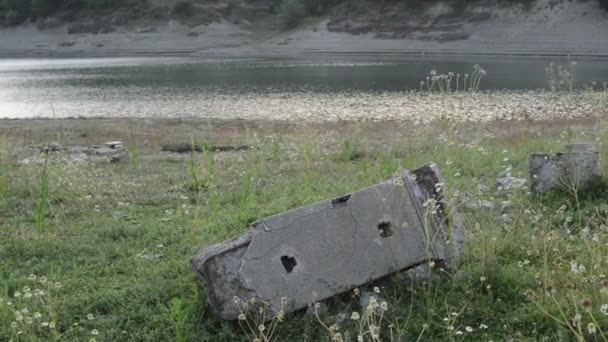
113, 151
480, 204
181, 148
482, 188
155, 256
192, 34
505, 206
418, 274
510, 183
186, 148
67, 44
341, 317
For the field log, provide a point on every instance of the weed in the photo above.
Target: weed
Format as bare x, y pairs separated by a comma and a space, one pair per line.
276, 147
133, 149
42, 201
178, 319
254, 319
561, 77
451, 82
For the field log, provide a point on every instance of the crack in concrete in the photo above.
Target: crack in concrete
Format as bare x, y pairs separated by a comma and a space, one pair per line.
354, 235
296, 220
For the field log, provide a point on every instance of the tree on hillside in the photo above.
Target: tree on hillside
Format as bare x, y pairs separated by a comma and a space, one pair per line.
44, 8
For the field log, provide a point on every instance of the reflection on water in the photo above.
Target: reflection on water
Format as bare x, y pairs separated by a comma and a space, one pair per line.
185, 87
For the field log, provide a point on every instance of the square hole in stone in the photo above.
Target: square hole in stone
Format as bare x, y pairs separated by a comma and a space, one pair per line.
385, 230
288, 263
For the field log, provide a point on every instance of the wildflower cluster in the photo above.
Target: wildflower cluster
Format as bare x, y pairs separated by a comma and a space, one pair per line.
369, 322
454, 328
34, 313
35, 316
257, 320
450, 82
561, 77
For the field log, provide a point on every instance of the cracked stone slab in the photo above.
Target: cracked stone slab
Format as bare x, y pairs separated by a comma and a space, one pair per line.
332, 246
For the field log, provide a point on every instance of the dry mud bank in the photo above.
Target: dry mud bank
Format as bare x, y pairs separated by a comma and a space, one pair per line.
419, 107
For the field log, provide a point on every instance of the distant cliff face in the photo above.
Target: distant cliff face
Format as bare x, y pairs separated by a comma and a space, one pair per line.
442, 20
418, 19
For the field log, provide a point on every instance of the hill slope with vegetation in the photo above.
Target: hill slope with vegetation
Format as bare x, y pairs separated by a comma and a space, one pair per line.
353, 16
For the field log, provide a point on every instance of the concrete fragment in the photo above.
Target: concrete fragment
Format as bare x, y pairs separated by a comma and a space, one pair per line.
189, 147
111, 151
482, 188
510, 183
480, 204
505, 206
155, 256
577, 169
334, 245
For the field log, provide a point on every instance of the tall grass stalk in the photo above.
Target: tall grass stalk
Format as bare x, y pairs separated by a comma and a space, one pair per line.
195, 183
561, 77
42, 201
450, 82
3, 176
133, 149
178, 317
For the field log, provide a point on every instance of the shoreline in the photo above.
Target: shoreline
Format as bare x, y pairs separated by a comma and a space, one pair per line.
294, 54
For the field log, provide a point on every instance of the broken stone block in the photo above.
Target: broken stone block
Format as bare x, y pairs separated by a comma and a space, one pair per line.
577, 169
110, 151
509, 183
480, 204
334, 245
189, 147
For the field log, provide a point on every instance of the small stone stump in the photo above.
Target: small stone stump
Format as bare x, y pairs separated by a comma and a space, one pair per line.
578, 169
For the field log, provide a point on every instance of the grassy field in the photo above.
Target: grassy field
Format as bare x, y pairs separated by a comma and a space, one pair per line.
100, 251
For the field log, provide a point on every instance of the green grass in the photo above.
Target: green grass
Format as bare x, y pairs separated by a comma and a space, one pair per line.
119, 237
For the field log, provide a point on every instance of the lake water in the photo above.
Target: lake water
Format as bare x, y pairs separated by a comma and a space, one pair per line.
159, 87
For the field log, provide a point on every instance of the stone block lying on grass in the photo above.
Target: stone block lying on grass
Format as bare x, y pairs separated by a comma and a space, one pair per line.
575, 170
334, 245
186, 148
112, 151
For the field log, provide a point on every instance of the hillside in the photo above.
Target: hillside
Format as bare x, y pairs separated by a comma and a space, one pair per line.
293, 27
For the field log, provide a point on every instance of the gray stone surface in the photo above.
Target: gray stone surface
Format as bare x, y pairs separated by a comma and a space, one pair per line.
334, 245
480, 204
111, 151
510, 183
576, 169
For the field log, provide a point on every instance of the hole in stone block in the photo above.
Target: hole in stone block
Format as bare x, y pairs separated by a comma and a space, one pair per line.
340, 201
385, 230
288, 263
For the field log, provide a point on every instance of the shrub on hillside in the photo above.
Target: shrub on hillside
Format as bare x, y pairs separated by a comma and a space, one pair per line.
290, 14
183, 8
42, 8
13, 18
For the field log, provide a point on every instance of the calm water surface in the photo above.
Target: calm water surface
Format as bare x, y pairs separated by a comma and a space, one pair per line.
170, 87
